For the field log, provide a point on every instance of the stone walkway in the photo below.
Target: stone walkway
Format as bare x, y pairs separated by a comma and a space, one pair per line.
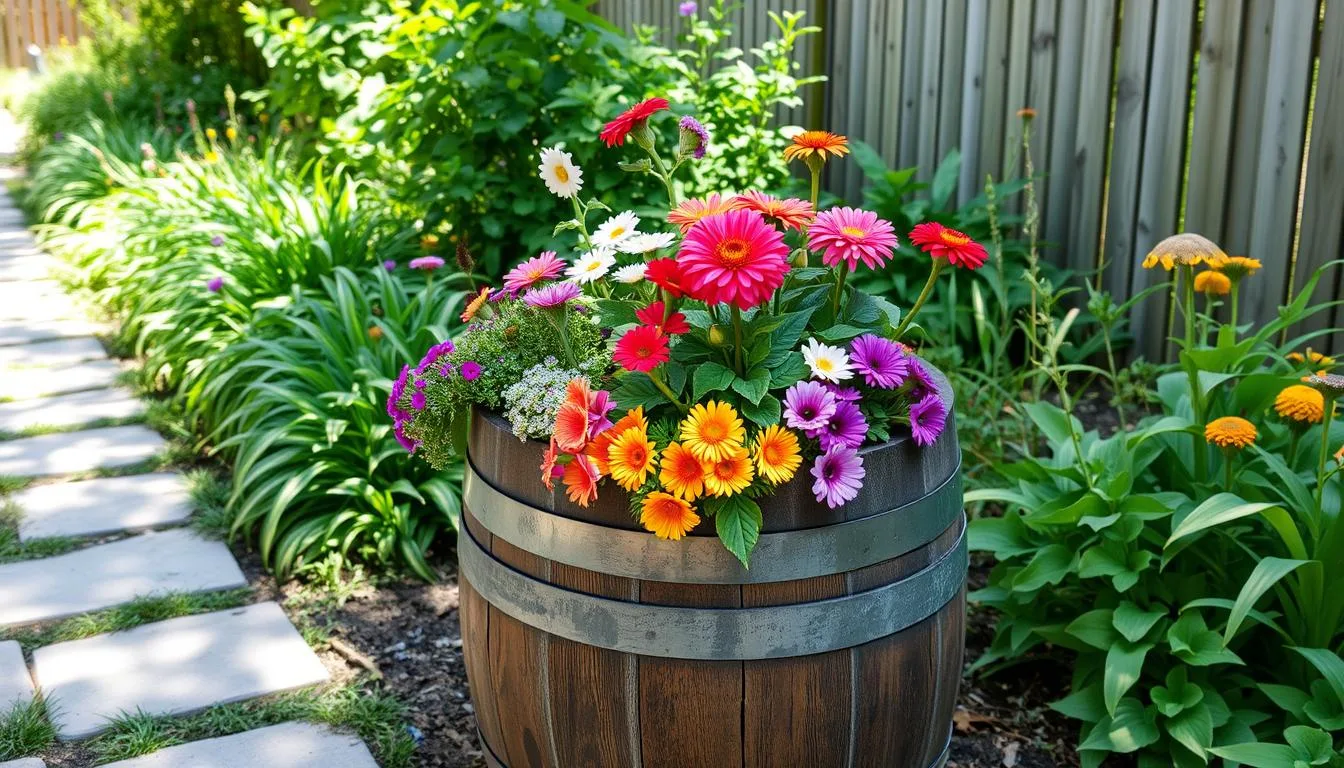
56, 383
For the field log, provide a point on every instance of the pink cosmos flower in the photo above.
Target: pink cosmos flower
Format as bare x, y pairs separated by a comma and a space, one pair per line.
428, 263
852, 235
471, 370
547, 266
733, 258
552, 296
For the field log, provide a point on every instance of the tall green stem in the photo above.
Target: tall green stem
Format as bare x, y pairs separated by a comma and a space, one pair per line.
839, 289
1236, 290
737, 342
938, 265
663, 174
816, 184
1325, 455
1201, 451
658, 382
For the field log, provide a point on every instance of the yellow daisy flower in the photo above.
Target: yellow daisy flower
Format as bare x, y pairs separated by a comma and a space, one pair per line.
729, 475
666, 516
777, 454
681, 473
1237, 267
630, 458
712, 431
1213, 283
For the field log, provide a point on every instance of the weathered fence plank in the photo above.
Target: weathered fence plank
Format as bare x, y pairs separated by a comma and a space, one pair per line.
1136, 29
1215, 116
972, 99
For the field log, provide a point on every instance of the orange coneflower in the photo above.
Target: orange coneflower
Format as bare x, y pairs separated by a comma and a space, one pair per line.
791, 213
666, 516
1300, 404
819, 143
1230, 432
681, 473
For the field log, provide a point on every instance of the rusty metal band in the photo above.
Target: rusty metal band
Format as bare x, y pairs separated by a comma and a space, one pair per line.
773, 632
782, 556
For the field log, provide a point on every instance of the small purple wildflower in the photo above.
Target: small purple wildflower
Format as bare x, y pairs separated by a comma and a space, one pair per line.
808, 405
839, 476
217, 240
598, 408
552, 296
432, 356
847, 428
880, 360
687, 8
920, 381
389, 265
429, 263
406, 442
694, 136
214, 284
418, 400
471, 370
398, 389
928, 418
843, 394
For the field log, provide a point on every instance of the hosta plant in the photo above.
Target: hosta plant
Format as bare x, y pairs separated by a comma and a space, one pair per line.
1185, 564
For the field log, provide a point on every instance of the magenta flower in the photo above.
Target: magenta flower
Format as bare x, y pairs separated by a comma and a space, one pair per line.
846, 428
808, 405
839, 476
418, 400
406, 442
389, 265
552, 296
217, 241
851, 235
432, 357
599, 405
843, 394
921, 381
429, 263
687, 8
398, 389
694, 136
547, 266
928, 418
471, 370
214, 284
880, 360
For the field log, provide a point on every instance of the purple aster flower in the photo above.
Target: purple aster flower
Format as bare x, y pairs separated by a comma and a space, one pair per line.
687, 8
808, 405
928, 417
847, 428
398, 389
471, 370
839, 476
921, 381
418, 399
389, 265
432, 356
429, 263
880, 360
552, 296
217, 240
214, 284
694, 136
843, 394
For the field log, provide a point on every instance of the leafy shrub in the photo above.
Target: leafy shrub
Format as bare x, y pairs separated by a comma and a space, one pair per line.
1188, 584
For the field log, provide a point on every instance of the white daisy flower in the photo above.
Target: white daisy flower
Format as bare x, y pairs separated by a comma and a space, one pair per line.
591, 266
616, 229
827, 362
630, 273
643, 243
563, 178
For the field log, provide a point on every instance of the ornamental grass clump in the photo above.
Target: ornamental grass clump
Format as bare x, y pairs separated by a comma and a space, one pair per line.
1186, 564
717, 350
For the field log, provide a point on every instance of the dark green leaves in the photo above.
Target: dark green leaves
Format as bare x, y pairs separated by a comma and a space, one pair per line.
738, 522
710, 377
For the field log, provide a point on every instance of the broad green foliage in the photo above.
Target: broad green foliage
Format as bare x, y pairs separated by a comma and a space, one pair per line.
1190, 584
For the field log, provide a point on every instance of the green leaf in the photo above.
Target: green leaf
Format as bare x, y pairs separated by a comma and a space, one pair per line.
1050, 565
763, 414
1134, 622
710, 377
1286, 697
1096, 628
1005, 536
1266, 574
1216, 510
550, 22
1311, 743
637, 389
1329, 665
1193, 729
1124, 664
840, 333
1085, 704
1257, 755
1130, 729
1053, 422
615, 313
1087, 505
754, 388
1178, 694
738, 521
945, 180
788, 371
1192, 642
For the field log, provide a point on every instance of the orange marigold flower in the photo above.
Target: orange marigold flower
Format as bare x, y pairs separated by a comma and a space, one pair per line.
681, 473
1186, 249
790, 213
1300, 403
630, 458
475, 305
581, 481
697, 208
375, 332
1212, 283
816, 143
1230, 432
777, 454
1027, 113
730, 474
666, 516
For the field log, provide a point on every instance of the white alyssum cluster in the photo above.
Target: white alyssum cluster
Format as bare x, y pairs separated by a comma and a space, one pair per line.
532, 402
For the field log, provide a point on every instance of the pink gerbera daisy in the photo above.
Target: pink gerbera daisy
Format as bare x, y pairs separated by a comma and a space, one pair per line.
790, 213
852, 235
733, 257
547, 266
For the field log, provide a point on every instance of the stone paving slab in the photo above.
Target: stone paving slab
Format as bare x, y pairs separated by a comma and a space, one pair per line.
36, 300
25, 383
69, 452
44, 329
174, 667
104, 505
46, 354
16, 687
30, 265
27, 762
69, 410
289, 745
108, 575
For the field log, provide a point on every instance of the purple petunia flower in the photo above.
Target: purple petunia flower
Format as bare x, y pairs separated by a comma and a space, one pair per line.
928, 418
389, 265
217, 240
880, 360
429, 263
432, 356
839, 476
214, 284
471, 370
847, 428
694, 137
598, 408
808, 405
552, 296
687, 8
921, 382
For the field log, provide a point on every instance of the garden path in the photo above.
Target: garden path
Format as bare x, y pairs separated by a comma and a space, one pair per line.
64, 432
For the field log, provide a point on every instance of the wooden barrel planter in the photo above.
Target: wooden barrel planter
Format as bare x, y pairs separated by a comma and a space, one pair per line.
590, 643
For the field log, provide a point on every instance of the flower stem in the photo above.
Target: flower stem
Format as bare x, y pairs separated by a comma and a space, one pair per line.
816, 185
560, 321
666, 390
663, 174
1201, 451
840, 289
938, 265
737, 341
1325, 454
1236, 286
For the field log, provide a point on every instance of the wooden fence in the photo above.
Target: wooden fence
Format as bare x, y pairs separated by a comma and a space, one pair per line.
1224, 117
45, 23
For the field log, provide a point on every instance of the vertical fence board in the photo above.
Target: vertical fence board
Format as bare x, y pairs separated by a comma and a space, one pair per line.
858, 52
1062, 116
1322, 238
11, 20
907, 148
1041, 88
952, 77
996, 79
1215, 114
1122, 196
1088, 165
1278, 175
891, 81
1236, 234
972, 99
1163, 152
926, 144
1019, 72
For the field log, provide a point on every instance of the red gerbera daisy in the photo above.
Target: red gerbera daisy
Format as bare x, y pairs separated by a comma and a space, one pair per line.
941, 242
654, 315
642, 348
791, 213
615, 132
666, 274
